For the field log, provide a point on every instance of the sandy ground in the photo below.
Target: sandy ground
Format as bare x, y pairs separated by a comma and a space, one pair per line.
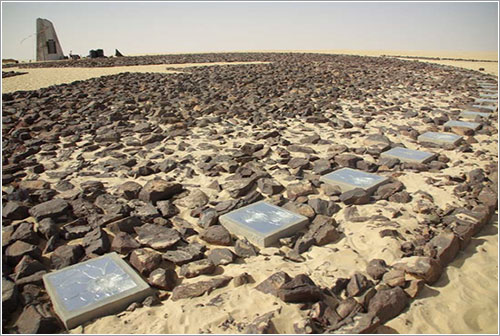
464, 300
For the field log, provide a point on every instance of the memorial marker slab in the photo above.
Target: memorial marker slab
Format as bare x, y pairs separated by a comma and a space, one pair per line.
472, 114
440, 138
486, 100
408, 155
464, 124
486, 107
348, 179
263, 223
90, 289
489, 95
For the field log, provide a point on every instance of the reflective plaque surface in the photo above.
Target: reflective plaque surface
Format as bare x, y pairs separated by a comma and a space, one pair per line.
405, 154
263, 217
439, 138
90, 283
353, 178
457, 123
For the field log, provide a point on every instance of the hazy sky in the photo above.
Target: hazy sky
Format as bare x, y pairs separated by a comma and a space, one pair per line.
136, 28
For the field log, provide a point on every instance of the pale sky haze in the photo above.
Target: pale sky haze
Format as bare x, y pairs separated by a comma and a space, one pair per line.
173, 27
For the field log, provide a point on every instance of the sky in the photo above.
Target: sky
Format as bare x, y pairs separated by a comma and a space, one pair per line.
175, 27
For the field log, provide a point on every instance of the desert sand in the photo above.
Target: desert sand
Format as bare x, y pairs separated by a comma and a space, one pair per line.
464, 300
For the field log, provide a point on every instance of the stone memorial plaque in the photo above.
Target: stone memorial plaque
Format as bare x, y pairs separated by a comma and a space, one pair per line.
440, 138
489, 101
263, 223
486, 107
97, 287
465, 124
408, 155
348, 179
489, 95
472, 115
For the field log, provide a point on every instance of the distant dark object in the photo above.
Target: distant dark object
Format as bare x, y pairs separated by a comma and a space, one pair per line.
117, 53
75, 57
6, 74
9, 60
481, 69
98, 53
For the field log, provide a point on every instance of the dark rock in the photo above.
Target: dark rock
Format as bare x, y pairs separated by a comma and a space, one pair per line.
446, 245
36, 319
66, 255
322, 207
15, 211
198, 267
269, 186
26, 233
244, 249
300, 289
394, 277
261, 325
387, 190
156, 236
145, 260
53, 208
75, 229
425, 268
355, 196
151, 301
347, 160
183, 255
323, 230
242, 279
167, 208
110, 204
18, 249
199, 288
348, 307
239, 187
96, 242
127, 224
10, 297
26, 267
48, 228
129, 190
208, 218
376, 268
400, 197
195, 199
91, 189
273, 283
298, 189
388, 303
123, 243
221, 256
357, 285
157, 190
163, 279
217, 235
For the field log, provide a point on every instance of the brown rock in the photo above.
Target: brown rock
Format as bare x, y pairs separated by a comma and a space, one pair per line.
217, 235
53, 208
388, 303
36, 319
198, 267
163, 278
300, 289
66, 255
157, 190
422, 267
357, 285
272, 284
376, 268
156, 236
145, 260
199, 288
123, 243
261, 325
446, 245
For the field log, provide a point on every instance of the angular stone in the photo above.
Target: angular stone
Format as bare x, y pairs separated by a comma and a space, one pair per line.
355, 196
295, 190
244, 249
129, 190
208, 218
239, 187
126, 224
27, 266
36, 320
425, 268
18, 249
163, 279
261, 324
347, 160
195, 199
388, 303
145, 260
357, 284
199, 288
15, 211
66, 255
376, 268
446, 245
156, 236
217, 235
322, 207
186, 254
198, 267
123, 243
323, 230
48, 228
273, 283
53, 208
387, 190
269, 186
300, 289
96, 242
26, 233
394, 277
157, 190
221, 256
10, 297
